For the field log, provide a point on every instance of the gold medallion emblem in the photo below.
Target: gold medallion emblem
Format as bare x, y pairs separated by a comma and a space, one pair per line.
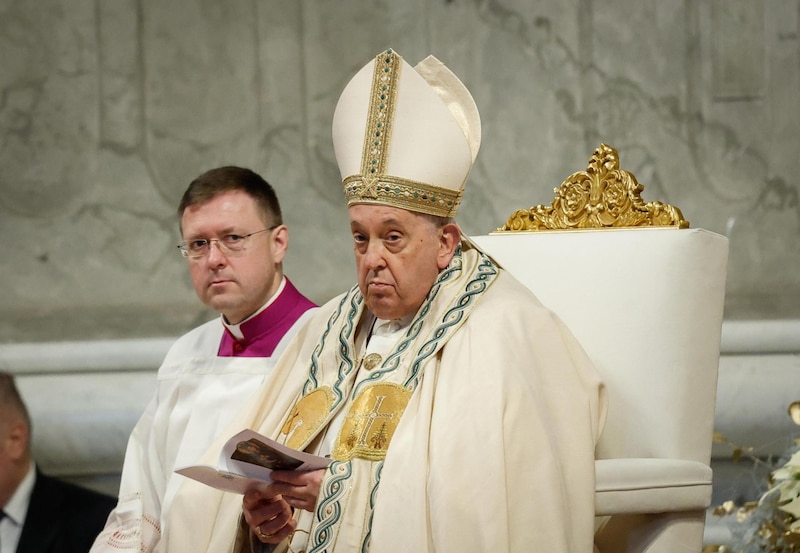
371, 361
370, 422
307, 416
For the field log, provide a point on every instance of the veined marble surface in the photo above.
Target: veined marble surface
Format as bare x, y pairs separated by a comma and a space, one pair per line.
109, 109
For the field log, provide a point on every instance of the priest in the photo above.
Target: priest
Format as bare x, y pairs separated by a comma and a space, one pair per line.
234, 243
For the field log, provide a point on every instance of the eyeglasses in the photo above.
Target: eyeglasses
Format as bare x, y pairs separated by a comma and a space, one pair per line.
230, 244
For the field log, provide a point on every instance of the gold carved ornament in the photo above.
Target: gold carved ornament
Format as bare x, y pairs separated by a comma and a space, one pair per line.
603, 196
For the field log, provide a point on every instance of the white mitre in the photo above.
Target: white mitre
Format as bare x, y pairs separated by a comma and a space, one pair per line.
406, 136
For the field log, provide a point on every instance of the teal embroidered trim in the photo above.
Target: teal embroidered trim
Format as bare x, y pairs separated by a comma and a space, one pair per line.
335, 489
313, 370
329, 508
486, 274
377, 470
345, 349
393, 360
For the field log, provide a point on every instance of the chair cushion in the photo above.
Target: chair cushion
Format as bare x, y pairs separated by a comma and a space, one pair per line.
651, 485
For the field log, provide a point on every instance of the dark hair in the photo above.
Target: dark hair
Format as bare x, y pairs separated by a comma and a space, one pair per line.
212, 183
10, 398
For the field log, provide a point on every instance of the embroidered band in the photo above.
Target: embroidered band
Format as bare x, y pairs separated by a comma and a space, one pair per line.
404, 193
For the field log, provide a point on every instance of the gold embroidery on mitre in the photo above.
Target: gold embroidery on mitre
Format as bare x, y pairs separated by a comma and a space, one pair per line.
403, 193
603, 196
307, 416
372, 185
369, 189
380, 118
371, 422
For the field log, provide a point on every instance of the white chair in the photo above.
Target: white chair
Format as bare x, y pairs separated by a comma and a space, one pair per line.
644, 295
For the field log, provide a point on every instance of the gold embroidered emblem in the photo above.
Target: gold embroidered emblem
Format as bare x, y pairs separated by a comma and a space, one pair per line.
371, 361
370, 187
307, 416
371, 422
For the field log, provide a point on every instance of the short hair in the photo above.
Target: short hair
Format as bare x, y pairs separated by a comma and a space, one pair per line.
437, 220
11, 400
214, 182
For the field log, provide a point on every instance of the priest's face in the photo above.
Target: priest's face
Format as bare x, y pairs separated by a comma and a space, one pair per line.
235, 283
398, 254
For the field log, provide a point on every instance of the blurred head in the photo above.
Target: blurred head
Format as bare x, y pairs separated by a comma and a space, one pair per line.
235, 240
15, 427
399, 254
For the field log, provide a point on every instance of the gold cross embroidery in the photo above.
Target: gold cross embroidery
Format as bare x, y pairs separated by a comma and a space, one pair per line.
370, 419
370, 422
370, 187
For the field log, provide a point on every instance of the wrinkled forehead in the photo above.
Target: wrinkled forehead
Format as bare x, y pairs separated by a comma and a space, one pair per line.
375, 214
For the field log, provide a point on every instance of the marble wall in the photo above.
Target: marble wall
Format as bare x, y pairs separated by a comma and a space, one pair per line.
109, 109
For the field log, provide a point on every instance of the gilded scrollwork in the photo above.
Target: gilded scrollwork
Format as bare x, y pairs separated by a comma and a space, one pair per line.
602, 196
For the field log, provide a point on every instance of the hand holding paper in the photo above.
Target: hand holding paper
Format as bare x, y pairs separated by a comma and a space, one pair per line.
247, 460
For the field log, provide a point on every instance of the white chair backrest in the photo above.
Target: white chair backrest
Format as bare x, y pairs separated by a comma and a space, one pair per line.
646, 304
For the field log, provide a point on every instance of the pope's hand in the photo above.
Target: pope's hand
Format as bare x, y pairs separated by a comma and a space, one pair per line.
298, 488
268, 515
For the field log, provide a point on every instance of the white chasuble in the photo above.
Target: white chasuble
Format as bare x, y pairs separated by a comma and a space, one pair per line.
373, 402
476, 433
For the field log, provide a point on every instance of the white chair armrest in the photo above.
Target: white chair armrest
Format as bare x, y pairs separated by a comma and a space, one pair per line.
651, 486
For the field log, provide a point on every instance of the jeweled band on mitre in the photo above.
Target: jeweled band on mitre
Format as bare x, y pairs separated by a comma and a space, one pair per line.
402, 193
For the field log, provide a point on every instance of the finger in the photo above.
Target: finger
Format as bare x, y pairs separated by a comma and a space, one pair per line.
276, 527
297, 477
281, 489
303, 490
286, 476
301, 503
264, 536
253, 499
264, 510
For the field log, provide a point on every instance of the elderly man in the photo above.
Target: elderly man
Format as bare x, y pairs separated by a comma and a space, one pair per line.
459, 413
234, 242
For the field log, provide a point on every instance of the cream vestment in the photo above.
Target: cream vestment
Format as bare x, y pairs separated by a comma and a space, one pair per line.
199, 391
476, 433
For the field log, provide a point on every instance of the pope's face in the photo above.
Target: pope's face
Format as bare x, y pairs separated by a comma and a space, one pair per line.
237, 284
398, 254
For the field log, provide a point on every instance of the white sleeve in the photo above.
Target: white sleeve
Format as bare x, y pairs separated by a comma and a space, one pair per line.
134, 525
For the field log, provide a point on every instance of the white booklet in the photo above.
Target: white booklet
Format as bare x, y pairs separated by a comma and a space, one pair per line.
247, 460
